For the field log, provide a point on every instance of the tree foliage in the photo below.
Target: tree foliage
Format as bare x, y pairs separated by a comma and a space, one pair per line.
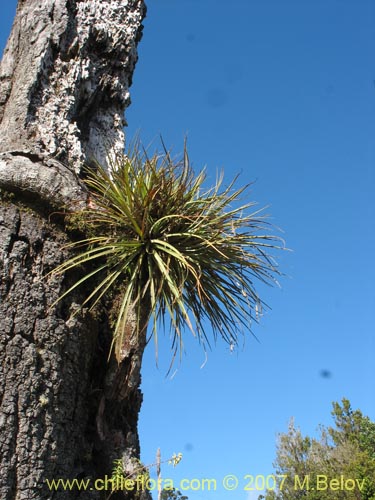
172, 494
341, 454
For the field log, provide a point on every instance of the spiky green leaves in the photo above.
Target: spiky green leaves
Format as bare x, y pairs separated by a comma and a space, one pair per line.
169, 247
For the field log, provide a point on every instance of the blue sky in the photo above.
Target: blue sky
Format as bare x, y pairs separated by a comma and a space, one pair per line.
282, 93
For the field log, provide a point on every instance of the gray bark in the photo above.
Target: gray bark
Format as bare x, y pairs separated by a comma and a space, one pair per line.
65, 77
43, 179
64, 85
46, 363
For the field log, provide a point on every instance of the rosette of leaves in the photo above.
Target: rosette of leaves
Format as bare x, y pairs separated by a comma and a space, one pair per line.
166, 244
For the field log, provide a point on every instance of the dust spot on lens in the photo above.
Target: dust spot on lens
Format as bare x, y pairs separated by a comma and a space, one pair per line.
325, 373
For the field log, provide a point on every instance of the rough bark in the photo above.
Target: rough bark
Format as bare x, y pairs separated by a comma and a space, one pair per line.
46, 361
65, 77
64, 84
42, 179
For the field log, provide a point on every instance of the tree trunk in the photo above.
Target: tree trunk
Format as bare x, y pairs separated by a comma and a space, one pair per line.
65, 412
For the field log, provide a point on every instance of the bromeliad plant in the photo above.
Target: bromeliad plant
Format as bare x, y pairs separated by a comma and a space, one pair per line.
171, 248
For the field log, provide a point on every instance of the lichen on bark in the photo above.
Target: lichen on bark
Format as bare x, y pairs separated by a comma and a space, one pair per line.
80, 57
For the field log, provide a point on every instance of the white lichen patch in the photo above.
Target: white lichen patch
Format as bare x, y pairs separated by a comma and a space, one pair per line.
78, 82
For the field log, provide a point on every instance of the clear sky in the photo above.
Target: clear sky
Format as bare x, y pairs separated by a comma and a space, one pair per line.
281, 92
